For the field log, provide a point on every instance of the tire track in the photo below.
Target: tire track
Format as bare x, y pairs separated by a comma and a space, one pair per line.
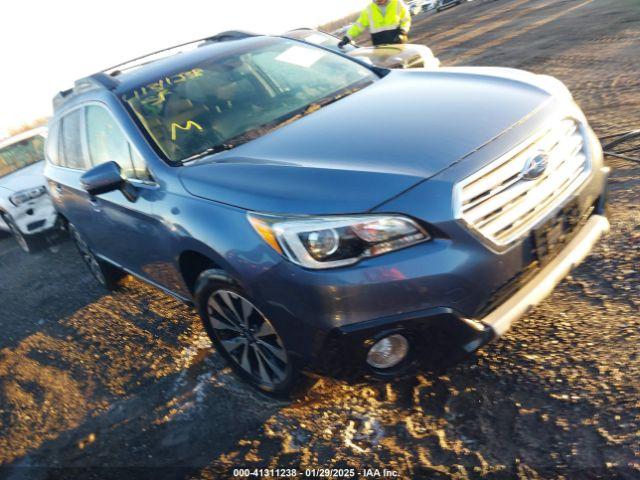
475, 52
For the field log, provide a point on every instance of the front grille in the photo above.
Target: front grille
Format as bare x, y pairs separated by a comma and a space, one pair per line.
502, 204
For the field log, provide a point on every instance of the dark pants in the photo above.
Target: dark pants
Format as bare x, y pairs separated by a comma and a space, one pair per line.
386, 37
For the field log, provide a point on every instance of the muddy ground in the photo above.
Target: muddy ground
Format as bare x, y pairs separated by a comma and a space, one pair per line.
125, 385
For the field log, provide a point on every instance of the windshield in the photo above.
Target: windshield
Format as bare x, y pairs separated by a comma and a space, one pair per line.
222, 102
21, 154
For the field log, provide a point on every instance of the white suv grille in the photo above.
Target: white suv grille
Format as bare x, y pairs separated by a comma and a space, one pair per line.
502, 204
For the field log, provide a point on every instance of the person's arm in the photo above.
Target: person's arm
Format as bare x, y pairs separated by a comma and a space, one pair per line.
405, 18
359, 26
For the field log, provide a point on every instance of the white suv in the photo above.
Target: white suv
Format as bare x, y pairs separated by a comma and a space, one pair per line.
25, 207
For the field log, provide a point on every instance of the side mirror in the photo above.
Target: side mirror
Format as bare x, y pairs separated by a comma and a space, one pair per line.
107, 177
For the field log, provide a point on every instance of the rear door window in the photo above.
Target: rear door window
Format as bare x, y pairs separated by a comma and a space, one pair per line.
72, 141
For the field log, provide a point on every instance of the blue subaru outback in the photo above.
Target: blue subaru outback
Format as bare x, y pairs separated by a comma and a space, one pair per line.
324, 215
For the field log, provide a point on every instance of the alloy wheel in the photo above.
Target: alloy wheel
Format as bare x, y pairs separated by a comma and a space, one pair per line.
248, 337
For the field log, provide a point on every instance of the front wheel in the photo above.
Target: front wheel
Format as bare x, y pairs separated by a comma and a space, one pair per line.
246, 337
106, 275
28, 243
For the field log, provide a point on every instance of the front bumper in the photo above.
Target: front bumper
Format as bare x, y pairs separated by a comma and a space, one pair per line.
500, 319
35, 216
450, 295
441, 336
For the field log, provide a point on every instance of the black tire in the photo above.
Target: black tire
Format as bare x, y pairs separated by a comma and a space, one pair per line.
28, 243
246, 338
105, 274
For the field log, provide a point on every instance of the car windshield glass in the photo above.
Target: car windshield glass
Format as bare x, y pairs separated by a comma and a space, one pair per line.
21, 154
221, 102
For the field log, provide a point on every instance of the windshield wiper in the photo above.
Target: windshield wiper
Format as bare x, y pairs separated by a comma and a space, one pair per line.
209, 151
313, 107
264, 129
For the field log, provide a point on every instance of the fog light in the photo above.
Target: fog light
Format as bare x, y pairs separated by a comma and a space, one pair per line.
388, 352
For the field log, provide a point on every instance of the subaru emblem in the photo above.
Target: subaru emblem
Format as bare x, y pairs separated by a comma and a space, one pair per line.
535, 166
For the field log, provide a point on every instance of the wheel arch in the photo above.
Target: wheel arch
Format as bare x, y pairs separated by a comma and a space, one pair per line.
191, 264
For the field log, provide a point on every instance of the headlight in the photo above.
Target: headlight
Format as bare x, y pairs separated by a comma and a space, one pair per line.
23, 196
326, 242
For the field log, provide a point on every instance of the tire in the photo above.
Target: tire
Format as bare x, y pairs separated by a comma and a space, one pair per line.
28, 243
246, 338
105, 274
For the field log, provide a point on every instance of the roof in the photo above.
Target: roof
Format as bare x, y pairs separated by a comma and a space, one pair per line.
182, 61
149, 68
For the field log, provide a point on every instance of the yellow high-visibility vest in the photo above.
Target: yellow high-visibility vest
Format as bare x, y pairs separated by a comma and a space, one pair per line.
396, 16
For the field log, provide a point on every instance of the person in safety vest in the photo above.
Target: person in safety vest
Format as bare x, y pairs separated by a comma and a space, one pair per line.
388, 21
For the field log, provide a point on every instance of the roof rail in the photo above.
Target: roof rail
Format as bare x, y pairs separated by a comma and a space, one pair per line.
230, 35
219, 37
61, 97
97, 80
107, 77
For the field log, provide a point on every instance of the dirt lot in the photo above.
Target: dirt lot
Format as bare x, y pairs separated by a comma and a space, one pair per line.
126, 384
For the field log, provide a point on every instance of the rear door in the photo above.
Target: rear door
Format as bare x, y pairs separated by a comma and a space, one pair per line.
67, 162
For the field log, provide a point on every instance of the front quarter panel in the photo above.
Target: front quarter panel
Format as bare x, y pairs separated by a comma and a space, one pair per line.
220, 232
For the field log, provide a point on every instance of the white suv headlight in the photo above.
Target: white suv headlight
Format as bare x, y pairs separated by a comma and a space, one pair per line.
327, 242
23, 196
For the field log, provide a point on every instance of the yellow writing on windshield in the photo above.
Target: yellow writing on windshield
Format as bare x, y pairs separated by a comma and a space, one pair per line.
156, 92
156, 99
187, 126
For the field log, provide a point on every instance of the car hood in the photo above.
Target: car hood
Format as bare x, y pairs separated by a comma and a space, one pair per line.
28, 177
395, 56
360, 151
